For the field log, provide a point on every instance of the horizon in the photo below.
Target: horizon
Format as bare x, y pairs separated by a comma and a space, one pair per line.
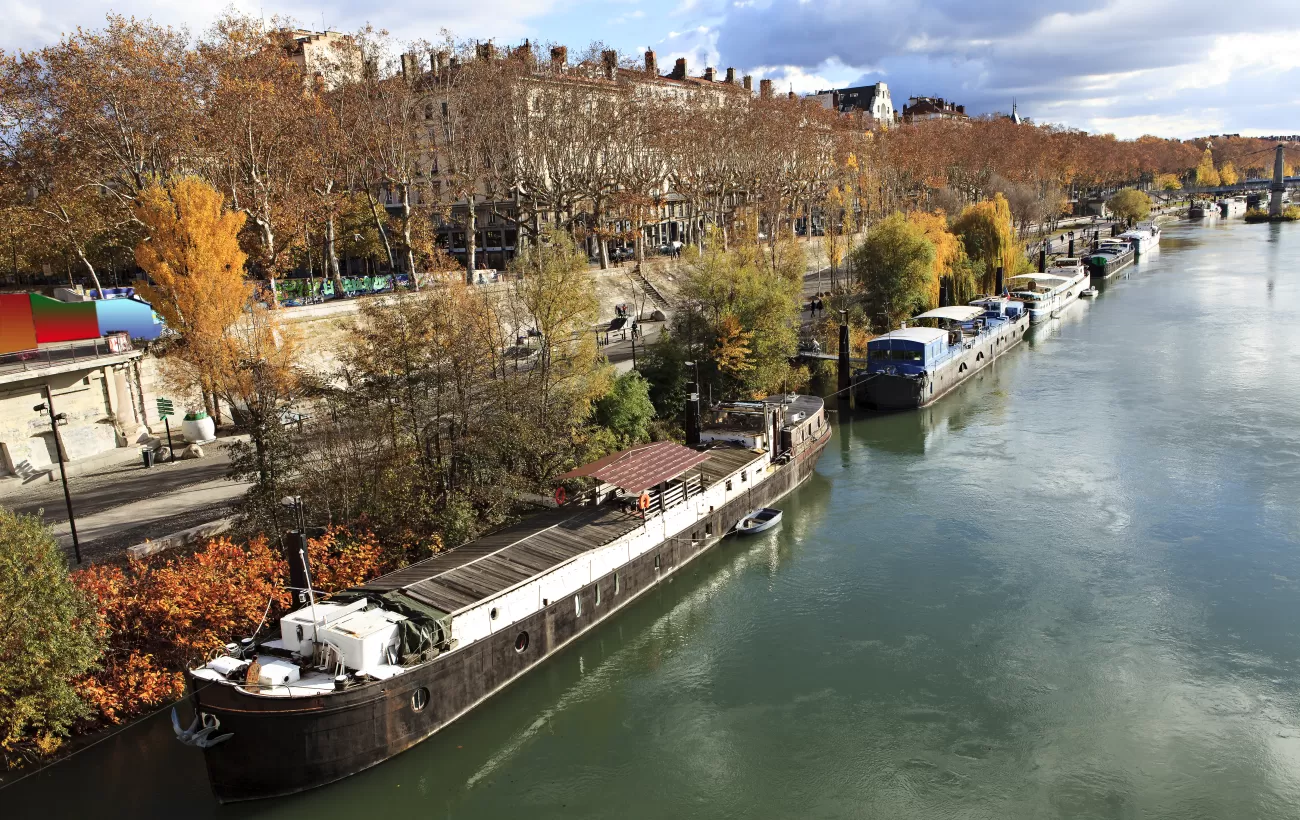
1214, 79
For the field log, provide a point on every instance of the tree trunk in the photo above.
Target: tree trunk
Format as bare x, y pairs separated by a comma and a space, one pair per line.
602, 247
471, 240
408, 255
379, 227
94, 277
332, 259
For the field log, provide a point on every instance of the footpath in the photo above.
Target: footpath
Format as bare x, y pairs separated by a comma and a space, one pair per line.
124, 503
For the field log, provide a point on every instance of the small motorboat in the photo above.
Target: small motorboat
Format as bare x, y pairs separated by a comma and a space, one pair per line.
759, 520
1089, 292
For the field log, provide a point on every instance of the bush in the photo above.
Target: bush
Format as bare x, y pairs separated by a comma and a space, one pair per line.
626, 409
50, 637
160, 615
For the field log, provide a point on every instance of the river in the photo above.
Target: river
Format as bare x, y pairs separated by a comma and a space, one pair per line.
1070, 589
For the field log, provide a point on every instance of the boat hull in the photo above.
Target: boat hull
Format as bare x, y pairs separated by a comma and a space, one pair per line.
891, 393
1111, 268
283, 746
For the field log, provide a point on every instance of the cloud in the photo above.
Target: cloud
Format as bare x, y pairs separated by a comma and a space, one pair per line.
1118, 66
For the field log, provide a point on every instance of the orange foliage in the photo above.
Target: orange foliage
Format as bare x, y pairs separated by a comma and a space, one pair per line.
160, 615
947, 248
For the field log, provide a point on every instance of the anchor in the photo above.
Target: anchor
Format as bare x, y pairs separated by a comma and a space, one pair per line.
200, 738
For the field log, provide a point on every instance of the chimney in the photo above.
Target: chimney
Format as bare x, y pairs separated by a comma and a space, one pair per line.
436, 60
791, 94
765, 89
651, 64
559, 58
410, 67
748, 82
679, 70
731, 76
485, 51
453, 63
961, 109
710, 74
525, 53
609, 59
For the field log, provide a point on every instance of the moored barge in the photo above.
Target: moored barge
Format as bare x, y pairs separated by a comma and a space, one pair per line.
912, 367
1111, 257
350, 682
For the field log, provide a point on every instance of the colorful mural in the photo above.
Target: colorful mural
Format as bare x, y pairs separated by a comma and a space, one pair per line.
30, 319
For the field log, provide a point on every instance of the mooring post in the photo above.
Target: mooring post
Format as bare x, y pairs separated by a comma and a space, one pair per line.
1000, 283
1279, 182
845, 377
1042, 260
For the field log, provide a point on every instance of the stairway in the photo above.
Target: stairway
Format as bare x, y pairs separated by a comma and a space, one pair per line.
656, 297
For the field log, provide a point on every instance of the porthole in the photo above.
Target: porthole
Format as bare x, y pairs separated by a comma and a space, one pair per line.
521, 642
493, 613
419, 699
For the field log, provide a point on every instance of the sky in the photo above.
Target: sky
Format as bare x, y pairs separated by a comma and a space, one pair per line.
1174, 68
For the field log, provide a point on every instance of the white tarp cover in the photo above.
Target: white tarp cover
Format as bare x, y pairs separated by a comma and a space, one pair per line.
1046, 277
957, 313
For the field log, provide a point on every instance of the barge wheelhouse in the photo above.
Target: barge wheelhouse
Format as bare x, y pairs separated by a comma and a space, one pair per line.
346, 683
1111, 257
914, 366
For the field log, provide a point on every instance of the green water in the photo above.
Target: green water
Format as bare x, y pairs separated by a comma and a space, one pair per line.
1070, 589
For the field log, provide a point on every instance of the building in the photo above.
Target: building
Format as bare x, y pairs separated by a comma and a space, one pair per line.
872, 99
1014, 116
932, 108
327, 56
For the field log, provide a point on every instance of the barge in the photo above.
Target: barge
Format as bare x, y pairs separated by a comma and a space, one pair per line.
1045, 295
1144, 237
349, 682
1202, 209
913, 367
1111, 257
1232, 206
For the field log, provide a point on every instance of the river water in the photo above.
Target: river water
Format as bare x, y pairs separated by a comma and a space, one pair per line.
1070, 589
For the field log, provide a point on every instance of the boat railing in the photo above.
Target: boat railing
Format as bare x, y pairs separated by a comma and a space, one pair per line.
687, 487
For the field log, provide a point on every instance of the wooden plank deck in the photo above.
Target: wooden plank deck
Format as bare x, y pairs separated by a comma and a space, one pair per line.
484, 567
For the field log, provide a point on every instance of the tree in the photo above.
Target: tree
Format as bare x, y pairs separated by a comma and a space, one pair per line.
1130, 205
1167, 182
1227, 174
626, 409
895, 264
1206, 176
988, 237
196, 274
50, 638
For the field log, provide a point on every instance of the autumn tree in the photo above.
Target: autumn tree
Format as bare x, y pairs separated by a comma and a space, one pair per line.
1130, 204
987, 235
195, 270
1206, 175
1167, 182
1227, 174
51, 636
895, 264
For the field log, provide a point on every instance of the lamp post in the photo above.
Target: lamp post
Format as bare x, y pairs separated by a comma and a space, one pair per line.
1071, 253
55, 418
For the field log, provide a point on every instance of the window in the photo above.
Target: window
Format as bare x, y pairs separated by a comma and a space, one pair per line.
577, 605
657, 562
616, 584
419, 699
493, 613
744, 477
708, 528
521, 642
728, 485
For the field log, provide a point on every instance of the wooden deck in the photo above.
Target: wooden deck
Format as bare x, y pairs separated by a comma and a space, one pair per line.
486, 566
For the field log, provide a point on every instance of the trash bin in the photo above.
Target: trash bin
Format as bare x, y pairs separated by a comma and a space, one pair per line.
147, 455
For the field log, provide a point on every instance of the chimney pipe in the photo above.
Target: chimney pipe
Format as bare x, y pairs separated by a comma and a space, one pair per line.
765, 89
410, 67
436, 59
679, 69
651, 64
731, 76
559, 57
791, 94
748, 82
609, 59
710, 74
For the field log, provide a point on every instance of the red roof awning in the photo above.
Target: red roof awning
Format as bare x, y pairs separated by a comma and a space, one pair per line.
642, 467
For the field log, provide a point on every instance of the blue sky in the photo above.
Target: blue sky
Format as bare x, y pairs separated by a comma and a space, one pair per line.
1176, 68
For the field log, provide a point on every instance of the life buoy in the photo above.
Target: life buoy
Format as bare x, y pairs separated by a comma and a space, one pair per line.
644, 501
560, 496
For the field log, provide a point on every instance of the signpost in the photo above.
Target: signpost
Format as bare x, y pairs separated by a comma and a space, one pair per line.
165, 409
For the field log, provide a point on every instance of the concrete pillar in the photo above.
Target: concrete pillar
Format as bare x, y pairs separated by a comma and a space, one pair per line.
1279, 182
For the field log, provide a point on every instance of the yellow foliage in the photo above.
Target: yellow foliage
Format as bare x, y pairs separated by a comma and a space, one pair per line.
733, 348
986, 232
947, 248
1227, 174
1206, 175
1167, 182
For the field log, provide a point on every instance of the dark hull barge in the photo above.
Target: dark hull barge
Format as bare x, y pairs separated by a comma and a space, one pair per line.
356, 680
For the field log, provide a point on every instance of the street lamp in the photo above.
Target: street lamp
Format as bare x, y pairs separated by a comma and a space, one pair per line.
56, 419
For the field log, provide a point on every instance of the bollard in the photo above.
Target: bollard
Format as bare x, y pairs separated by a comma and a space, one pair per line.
1042, 260
844, 375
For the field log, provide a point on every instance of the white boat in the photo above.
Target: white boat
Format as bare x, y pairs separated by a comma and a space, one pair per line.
1089, 292
1232, 206
759, 520
1046, 294
1144, 237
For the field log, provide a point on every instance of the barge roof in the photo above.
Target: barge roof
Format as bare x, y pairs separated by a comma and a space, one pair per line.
458, 578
